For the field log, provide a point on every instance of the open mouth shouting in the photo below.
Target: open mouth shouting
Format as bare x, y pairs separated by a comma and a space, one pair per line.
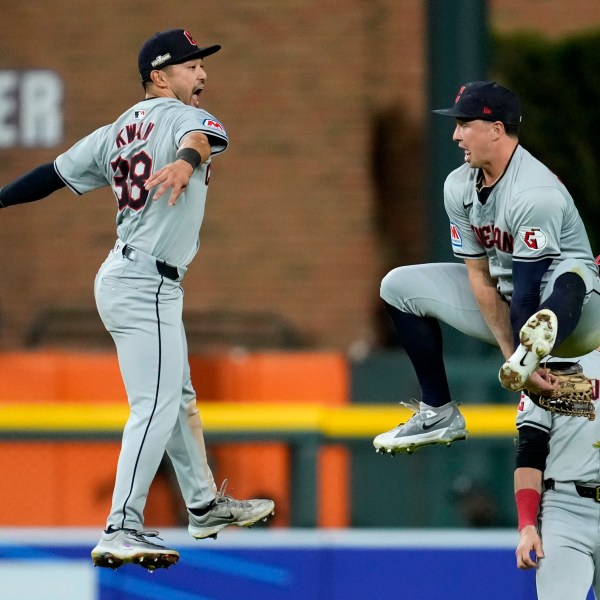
196, 96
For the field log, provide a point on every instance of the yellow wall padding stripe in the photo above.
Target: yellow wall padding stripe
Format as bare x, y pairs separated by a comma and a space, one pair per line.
350, 421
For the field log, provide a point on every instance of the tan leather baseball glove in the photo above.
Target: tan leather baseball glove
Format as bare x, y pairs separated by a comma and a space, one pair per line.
574, 394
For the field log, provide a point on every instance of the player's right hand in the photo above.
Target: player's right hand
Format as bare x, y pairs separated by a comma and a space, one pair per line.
529, 550
542, 382
175, 175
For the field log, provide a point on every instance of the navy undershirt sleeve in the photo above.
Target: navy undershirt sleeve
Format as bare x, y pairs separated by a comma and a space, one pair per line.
533, 448
35, 185
527, 278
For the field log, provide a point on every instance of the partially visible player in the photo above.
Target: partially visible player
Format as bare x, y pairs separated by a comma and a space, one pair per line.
156, 157
558, 458
529, 283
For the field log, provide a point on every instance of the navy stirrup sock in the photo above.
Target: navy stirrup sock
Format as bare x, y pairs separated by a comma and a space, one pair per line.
421, 337
566, 302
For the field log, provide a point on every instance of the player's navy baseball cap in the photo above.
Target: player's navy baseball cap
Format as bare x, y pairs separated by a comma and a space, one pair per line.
485, 100
170, 47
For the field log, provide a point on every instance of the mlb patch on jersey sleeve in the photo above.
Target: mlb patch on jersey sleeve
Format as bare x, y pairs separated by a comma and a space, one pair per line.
455, 236
214, 125
533, 237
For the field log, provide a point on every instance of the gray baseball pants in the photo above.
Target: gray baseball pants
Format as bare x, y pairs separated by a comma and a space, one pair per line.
142, 310
442, 291
570, 532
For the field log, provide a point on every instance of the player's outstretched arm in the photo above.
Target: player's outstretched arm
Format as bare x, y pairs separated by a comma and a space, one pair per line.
35, 185
193, 151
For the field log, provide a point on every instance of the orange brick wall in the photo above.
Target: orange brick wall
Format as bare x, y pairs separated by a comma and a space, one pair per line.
551, 17
290, 221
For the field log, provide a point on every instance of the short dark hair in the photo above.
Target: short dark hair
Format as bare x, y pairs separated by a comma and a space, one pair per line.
511, 130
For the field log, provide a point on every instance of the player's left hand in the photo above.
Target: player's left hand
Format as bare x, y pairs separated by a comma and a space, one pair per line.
542, 382
529, 543
175, 175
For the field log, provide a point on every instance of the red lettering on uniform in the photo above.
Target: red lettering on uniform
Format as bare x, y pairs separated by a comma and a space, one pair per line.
497, 238
134, 132
120, 140
131, 131
489, 236
477, 235
143, 136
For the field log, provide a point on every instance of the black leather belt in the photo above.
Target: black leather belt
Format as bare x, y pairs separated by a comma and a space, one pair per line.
164, 269
585, 491
169, 271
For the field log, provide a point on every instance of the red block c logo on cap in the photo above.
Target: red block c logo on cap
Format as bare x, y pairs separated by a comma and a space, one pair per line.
462, 89
190, 39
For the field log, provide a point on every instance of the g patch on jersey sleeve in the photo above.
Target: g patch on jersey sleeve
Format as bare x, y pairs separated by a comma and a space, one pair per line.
455, 236
533, 237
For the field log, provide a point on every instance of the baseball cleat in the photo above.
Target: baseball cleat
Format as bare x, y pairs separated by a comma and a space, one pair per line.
537, 339
225, 511
121, 546
429, 425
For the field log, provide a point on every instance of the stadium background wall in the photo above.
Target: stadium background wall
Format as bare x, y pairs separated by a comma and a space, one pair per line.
293, 228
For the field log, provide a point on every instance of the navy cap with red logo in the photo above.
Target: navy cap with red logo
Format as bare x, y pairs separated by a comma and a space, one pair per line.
170, 47
486, 101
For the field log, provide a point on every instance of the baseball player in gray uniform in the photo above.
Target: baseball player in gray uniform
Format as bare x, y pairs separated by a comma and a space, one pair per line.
156, 157
558, 458
529, 283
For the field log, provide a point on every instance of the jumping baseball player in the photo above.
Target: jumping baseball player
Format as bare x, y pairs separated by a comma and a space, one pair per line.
558, 458
529, 283
156, 157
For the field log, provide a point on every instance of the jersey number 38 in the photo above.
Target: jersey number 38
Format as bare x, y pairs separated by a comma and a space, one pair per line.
129, 179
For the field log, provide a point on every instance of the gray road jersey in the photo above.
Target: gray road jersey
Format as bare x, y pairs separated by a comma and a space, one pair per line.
571, 456
123, 155
528, 216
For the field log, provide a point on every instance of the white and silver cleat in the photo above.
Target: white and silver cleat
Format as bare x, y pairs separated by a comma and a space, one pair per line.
121, 546
225, 511
537, 338
429, 425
